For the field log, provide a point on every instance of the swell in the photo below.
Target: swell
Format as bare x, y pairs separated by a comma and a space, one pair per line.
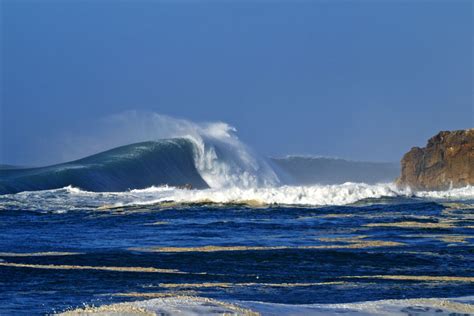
135, 166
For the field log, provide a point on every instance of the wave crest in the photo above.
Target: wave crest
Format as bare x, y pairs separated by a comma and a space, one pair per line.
220, 157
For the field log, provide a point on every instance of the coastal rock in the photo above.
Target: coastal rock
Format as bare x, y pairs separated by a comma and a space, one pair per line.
446, 162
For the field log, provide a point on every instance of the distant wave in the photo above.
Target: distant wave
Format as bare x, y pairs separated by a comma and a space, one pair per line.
306, 170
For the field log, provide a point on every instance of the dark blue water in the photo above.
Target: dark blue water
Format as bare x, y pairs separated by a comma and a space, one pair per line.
298, 255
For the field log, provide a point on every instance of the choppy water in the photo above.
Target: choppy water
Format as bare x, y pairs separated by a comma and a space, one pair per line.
62, 249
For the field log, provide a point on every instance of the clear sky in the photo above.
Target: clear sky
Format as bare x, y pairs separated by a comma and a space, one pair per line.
364, 80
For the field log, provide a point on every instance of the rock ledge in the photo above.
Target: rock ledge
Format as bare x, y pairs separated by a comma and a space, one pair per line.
446, 162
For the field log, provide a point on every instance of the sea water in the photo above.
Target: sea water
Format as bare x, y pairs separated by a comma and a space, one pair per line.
352, 249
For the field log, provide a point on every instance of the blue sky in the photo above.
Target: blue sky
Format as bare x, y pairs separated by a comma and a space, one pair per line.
364, 80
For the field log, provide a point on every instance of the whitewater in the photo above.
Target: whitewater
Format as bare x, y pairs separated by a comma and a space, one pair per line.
70, 198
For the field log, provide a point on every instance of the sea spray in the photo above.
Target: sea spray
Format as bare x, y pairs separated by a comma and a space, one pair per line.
224, 161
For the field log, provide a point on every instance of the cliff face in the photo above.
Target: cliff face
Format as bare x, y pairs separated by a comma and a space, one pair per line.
447, 161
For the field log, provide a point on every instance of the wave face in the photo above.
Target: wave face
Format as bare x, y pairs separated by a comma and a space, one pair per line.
200, 154
321, 170
138, 165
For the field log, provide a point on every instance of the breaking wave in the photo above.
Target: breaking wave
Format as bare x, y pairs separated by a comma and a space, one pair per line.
194, 155
70, 198
137, 165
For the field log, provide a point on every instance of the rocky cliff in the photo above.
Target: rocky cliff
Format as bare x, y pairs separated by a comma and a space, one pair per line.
446, 161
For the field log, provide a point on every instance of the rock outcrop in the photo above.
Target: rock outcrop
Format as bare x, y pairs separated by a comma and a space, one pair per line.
446, 162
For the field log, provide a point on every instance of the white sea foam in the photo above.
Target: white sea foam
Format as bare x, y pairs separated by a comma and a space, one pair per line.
70, 198
419, 306
287, 195
340, 194
187, 305
466, 193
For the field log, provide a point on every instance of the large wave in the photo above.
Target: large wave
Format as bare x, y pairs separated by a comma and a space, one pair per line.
199, 155
206, 156
220, 157
140, 165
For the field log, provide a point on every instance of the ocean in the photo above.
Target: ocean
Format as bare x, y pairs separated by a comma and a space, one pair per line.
269, 251
201, 225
